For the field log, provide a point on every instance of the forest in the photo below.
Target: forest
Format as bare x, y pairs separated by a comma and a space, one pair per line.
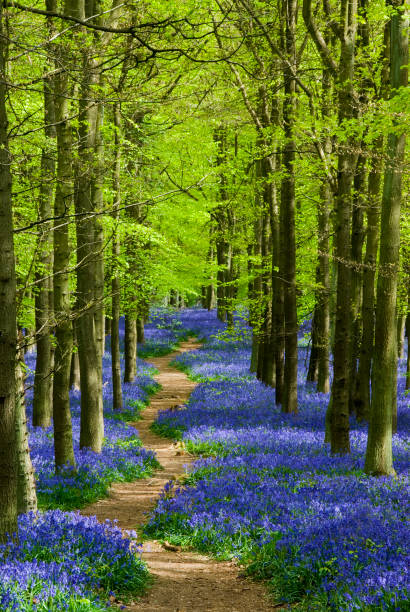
204, 305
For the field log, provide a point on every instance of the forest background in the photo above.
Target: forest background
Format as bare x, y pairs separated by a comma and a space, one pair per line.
245, 154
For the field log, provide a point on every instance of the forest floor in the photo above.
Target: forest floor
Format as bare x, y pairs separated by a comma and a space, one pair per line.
184, 581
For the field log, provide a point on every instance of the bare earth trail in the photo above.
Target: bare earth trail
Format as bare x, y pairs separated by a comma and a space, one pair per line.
183, 581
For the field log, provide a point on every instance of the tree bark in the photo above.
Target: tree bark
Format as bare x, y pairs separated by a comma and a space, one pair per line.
323, 305
401, 331
87, 199
357, 240
379, 459
63, 440
8, 340
288, 203
117, 400
130, 348
140, 329
75, 382
339, 416
26, 486
43, 378
362, 399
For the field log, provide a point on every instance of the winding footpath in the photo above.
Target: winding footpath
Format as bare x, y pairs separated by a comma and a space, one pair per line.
184, 581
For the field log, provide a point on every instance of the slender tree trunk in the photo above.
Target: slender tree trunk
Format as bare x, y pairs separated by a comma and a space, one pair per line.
401, 331
222, 246
379, 459
288, 202
130, 348
323, 305
256, 293
362, 399
356, 272
279, 316
63, 439
339, 415
87, 193
264, 372
26, 486
314, 353
115, 283
140, 329
8, 340
75, 364
43, 378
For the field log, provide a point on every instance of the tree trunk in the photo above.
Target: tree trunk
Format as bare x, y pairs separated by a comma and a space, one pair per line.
87, 199
379, 459
115, 283
75, 382
26, 486
356, 272
130, 348
222, 246
140, 329
339, 416
323, 306
288, 203
401, 331
362, 399
314, 354
8, 340
63, 440
43, 378
279, 316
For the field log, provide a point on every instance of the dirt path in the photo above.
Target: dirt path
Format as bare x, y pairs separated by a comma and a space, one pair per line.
184, 581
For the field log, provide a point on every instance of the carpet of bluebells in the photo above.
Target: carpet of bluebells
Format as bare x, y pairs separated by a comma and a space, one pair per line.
268, 492
65, 561
122, 457
163, 332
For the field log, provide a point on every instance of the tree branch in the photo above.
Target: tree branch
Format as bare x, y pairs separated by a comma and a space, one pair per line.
317, 37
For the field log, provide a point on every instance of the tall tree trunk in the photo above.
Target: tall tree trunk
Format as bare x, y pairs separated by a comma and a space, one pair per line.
8, 340
288, 203
379, 459
140, 330
63, 439
362, 397
323, 305
130, 348
43, 378
222, 246
356, 272
339, 415
26, 486
279, 316
87, 193
115, 283
401, 332
255, 308
314, 354
75, 364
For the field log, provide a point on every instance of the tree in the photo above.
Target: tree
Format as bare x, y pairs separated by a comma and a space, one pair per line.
379, 459
8, 323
